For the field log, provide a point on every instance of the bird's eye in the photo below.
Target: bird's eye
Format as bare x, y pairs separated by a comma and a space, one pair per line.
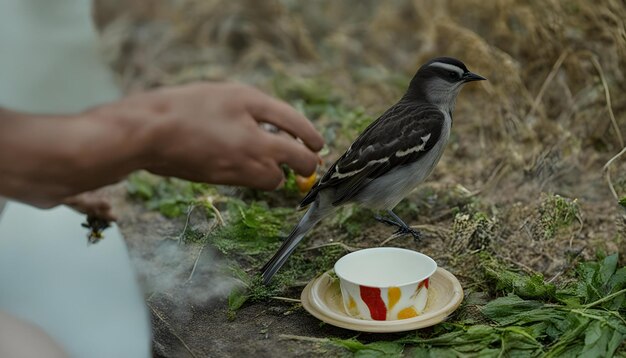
453, 74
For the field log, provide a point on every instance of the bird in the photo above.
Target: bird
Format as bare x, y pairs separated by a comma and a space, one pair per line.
394, 154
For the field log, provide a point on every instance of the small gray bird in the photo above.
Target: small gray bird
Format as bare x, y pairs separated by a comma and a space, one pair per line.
390, 158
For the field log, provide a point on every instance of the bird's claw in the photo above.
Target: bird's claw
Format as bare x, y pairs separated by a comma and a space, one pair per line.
405, 230
402, 228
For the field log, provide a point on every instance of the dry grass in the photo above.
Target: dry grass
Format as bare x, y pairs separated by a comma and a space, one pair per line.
549, 118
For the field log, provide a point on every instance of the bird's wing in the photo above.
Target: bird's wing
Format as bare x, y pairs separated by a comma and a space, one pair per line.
401, 136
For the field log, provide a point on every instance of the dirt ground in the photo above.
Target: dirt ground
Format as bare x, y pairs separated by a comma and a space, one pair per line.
527, 146
183, 328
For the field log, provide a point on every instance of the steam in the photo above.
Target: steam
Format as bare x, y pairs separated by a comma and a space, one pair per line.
192, 274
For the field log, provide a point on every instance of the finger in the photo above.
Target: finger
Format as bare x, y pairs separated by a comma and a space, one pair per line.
108, 215
105, 211
270, 177
293, 153
267, 109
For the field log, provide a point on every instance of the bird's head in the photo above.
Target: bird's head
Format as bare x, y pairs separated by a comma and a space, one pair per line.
439, 81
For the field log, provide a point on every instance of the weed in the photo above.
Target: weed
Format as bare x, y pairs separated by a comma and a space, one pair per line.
252, 229
502, 280
353, 121
170, 196
290, 187
313, 95
473, 231
299, 267
353, 219
556, 212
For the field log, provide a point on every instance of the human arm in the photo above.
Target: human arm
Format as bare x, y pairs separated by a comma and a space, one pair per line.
201, 132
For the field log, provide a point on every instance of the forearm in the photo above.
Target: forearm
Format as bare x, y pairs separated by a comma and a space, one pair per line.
44, 159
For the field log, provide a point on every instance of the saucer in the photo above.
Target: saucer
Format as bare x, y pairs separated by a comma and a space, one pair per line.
322, 298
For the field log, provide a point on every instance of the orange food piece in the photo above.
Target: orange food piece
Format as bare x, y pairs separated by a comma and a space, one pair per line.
305, 183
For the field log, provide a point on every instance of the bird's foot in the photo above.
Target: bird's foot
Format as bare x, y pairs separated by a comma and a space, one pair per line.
403, 229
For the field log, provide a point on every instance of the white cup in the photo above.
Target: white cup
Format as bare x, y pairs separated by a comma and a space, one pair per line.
384, 283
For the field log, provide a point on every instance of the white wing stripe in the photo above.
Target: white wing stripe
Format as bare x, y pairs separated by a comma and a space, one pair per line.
402, 153
338, 175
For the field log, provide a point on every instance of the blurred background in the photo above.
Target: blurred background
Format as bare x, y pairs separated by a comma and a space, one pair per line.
523, 176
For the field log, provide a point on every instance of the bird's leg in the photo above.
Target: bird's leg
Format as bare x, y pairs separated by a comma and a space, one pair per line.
403, 228
387, 221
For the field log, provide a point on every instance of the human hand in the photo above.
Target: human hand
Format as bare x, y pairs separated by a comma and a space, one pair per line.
201, 132
93, 204
211, 132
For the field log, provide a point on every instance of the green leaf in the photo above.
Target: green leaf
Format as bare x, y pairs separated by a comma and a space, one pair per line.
506, 310
291, 186
618, 280
609, 264
516, 342
570, 343
375, 349
351, 344
381, 349
622, 202
599, 283
423, 352
596, 340
603, 337
463, 339
172, 208
237, 297
616, 284
526, 286
139, 188
616, 340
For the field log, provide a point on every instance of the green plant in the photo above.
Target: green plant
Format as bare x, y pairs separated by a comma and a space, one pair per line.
556, 212
170, 196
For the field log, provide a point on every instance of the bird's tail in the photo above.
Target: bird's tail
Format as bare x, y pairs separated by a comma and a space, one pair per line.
289, 245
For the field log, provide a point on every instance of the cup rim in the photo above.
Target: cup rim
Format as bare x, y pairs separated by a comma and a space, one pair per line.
424, 256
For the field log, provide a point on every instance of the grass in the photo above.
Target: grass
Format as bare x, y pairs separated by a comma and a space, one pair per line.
556, 212
170, 196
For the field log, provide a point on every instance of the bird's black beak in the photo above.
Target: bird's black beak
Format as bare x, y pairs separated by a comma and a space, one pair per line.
469, 77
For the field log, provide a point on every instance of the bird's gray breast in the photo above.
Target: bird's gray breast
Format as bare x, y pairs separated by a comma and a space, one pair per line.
387, 191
